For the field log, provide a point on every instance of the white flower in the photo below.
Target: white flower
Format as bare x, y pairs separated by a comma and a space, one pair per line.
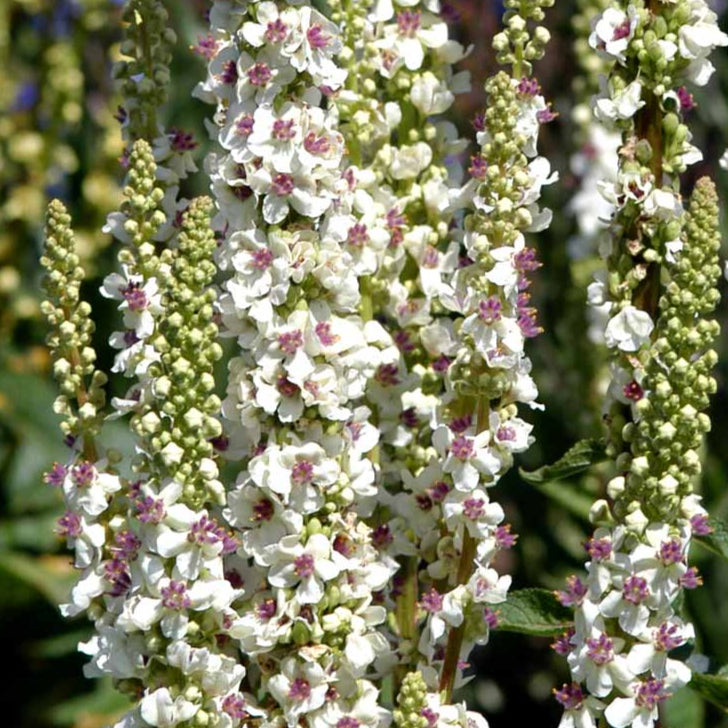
298, 474
363, 707
169, 608
661, 561
663, 205
411, 34
491, 326
160, 710
262, 519
629, 330
613, 32
579, 711
409, 161
141, 300
471, 511
87, 487
264, 623
283, 190
299, 688
651, 654
598, 662
696, 40
640, 710
618, 105
273, 27
113, 652
307, 567
314, 48
263, 77
466, 457
217, 674
276, 135
193, 539
430, 94
627, 602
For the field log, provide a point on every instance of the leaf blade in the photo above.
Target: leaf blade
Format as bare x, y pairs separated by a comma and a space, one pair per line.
534, 612
575, 460
714, 688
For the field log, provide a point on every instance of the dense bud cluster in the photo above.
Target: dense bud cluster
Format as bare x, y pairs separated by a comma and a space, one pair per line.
82, 398
654, 296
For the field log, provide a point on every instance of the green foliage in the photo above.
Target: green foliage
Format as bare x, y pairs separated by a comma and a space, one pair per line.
714, 688
534, 612
685, 708
576, 460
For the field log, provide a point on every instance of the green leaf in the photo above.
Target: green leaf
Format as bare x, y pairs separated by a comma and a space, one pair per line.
98, 708
717, 542
60, 645
714, 688
578, 458
568, 498
50, 576
684, 708
534, 611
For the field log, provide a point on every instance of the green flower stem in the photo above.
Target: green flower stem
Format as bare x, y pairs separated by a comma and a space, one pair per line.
465, 570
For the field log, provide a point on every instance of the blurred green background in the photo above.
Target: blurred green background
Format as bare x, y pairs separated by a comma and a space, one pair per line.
58, 137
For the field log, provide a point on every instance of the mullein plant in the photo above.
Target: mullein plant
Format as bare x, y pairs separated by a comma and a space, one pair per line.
276, 206
432, 508
325, 530
425, 283
658, 290
146, 532
289, 566
307, 621
400, 83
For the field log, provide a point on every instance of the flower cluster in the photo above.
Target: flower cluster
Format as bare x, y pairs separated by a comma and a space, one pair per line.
309, 623
490, 319
656, 292
277, 554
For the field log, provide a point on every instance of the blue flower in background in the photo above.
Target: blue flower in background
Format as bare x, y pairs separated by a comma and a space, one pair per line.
27, 96
64, 13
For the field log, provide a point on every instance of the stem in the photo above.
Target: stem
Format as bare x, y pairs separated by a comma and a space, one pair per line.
366, 309
648, 126
151, 110
406, 608
465, 570
518, 65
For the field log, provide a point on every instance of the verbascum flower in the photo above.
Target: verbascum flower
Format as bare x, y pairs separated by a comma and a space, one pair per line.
479, 428
627, 618
308, 622
177, 593
406, 190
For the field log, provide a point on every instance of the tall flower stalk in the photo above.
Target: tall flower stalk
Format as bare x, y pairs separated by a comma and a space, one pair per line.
659, 290
401, 83
296, 427
480, 430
